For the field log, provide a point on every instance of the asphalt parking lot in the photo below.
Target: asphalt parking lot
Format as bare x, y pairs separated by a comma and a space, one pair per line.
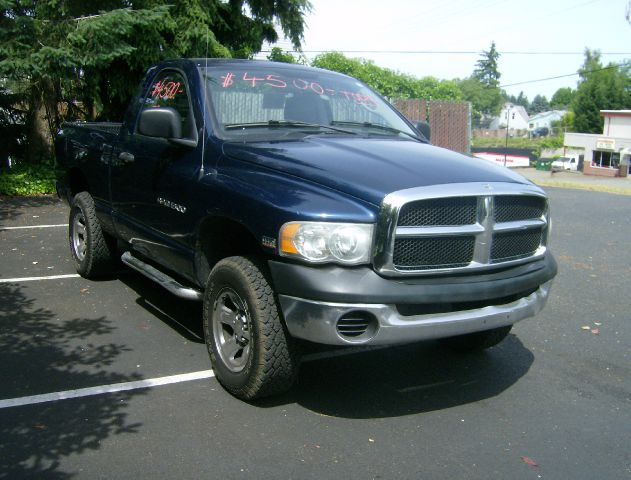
110, 379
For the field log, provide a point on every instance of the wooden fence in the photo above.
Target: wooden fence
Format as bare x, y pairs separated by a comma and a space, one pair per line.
450, 121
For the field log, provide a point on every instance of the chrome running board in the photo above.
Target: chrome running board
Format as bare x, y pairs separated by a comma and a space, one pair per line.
161, 278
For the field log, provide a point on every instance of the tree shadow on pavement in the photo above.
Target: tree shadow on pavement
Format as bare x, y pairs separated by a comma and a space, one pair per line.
405, 380
12, 208
40, 353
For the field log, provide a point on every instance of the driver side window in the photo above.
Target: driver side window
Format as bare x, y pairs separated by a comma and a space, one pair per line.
169, 90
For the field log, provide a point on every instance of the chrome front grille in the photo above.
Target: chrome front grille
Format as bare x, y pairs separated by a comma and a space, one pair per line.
439, 211
429, 253
515, 245
511, 208
447, 228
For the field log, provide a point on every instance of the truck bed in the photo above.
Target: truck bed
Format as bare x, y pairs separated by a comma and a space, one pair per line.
107, 127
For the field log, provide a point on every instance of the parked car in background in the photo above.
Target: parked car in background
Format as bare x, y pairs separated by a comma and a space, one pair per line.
540, 132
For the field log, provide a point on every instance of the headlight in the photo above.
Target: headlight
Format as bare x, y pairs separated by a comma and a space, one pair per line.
321, 242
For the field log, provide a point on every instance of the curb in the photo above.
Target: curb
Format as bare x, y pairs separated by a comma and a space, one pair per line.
615, 186
582, 186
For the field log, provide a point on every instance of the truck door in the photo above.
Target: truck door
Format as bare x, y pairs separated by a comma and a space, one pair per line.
151, 180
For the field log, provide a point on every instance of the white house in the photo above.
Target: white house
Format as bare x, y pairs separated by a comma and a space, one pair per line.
545, 119
515, 117
606, 154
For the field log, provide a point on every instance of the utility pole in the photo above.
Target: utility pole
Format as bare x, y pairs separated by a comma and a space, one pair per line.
508, 110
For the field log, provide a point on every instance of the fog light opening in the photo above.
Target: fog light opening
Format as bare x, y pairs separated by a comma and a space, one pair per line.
357, 326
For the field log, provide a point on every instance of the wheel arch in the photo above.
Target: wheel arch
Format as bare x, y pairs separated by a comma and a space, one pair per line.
220, 237
77, 182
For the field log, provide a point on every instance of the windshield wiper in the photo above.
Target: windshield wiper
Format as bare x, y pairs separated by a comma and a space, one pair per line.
287, 124
375, 126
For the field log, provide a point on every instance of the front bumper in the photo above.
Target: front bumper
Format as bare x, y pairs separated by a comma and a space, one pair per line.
322, 304
318, 321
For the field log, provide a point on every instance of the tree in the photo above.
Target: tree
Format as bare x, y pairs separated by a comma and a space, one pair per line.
566, 124
539, 104
482, 88
486, 70
389, 83
486, 101
12, 126
85, 59
599, 88
278, 55
562, 98
520, 99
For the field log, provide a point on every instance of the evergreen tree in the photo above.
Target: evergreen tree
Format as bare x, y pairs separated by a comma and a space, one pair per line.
520, 99
72, 58
539, 104
482, 87
486, 70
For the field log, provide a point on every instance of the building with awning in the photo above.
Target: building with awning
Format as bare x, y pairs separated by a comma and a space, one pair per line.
607, 154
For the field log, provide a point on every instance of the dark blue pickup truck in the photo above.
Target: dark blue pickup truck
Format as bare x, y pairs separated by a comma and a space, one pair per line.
297, 204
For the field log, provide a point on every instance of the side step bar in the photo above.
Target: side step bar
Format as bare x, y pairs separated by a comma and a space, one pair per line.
161, 278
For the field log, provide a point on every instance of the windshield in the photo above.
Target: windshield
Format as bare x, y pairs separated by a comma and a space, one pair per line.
260, 102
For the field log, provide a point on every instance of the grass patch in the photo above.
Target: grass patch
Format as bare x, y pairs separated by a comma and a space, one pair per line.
25, 180
582, 186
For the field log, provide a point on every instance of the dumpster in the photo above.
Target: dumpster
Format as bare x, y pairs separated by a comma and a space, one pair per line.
544, 164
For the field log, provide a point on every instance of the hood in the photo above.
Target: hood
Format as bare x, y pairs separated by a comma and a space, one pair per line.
369, 168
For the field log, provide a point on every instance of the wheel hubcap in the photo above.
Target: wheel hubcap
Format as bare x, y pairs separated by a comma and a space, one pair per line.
231, 329
79, 240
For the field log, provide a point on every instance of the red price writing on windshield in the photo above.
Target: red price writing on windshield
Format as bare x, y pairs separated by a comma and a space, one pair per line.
275, 81
269, 80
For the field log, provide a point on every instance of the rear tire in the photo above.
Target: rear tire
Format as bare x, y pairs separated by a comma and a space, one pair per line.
477, 341
250, 349
92, 249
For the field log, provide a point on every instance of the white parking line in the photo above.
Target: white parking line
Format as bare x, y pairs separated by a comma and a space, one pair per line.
152, 382
35, 279
33, 226
115, 387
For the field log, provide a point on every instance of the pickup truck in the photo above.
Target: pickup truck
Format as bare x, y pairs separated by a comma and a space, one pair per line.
300, 206
566, 163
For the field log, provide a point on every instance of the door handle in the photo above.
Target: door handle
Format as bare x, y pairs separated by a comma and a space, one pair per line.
126, 157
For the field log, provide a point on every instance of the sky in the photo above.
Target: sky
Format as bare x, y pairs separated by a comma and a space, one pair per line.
374, 30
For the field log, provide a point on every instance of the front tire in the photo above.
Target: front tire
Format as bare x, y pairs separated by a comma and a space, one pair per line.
477, 341
250, 349
92, 249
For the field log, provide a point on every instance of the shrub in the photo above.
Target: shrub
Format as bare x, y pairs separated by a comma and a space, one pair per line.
22, 180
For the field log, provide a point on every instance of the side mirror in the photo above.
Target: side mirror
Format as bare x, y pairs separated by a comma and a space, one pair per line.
161, 123
164, 123
424, 128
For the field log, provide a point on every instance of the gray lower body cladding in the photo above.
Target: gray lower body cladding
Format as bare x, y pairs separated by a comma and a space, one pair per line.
380, 324
335, 305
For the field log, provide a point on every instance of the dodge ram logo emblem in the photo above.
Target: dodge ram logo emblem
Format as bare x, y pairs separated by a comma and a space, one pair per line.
171, 205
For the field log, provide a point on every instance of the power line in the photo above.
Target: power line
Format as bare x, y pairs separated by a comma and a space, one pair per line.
611, 67
449, 52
